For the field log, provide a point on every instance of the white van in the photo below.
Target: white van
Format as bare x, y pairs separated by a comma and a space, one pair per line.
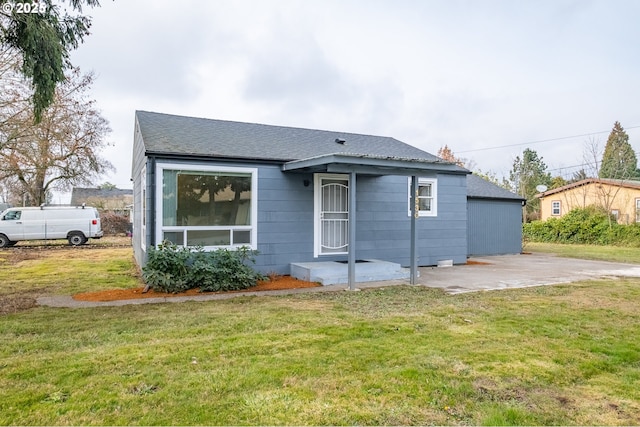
76, 224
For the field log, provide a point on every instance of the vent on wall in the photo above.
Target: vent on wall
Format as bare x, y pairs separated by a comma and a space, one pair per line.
340, 141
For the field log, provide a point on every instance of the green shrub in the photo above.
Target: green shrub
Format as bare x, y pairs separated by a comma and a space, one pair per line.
590, 225
172, 268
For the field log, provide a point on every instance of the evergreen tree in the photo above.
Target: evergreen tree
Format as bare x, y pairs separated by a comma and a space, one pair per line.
619, 161
44, 39
527, 173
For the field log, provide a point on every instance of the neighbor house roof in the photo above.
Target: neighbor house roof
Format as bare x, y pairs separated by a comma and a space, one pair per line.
190, 136
80, 195
625, 183
480, 188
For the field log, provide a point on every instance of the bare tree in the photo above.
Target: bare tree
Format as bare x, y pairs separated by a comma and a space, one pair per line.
591, 156
445, 153
62, 149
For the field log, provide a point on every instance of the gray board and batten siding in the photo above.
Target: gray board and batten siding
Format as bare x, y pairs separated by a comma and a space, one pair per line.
285, 198
494, 219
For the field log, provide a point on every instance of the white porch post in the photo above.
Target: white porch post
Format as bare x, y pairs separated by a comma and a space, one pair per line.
415, 212
352, 232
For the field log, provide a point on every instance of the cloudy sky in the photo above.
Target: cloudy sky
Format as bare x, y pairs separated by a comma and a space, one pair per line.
487, 78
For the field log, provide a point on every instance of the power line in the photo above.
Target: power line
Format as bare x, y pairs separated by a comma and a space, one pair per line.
541, 141
570, 167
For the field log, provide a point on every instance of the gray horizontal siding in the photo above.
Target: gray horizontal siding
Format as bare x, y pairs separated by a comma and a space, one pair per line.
383, 228
286, 220
138, 162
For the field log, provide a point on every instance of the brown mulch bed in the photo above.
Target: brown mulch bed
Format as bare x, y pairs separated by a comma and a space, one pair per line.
472, 262
277, 283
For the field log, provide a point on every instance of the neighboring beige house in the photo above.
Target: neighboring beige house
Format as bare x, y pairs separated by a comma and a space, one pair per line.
620, 197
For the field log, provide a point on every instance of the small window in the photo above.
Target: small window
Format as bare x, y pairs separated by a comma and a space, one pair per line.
637, 210
615, 213
556, 208
426, 197
12, 215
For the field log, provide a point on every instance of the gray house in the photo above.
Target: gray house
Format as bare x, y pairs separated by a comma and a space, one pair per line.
295, 195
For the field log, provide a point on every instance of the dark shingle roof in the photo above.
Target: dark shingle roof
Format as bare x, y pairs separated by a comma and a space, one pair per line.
480, 188
170, 134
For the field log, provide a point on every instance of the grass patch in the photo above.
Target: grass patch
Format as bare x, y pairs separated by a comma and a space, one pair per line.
67, 270
403, 355
600, 253
553, 355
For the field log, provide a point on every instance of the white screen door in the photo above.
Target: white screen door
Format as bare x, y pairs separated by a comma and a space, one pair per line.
332, 207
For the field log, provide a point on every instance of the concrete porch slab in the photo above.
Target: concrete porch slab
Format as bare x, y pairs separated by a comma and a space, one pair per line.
336, 273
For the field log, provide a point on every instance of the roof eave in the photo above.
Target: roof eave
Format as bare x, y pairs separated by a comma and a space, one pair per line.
633, 184
514, 199
195, 156
371, 165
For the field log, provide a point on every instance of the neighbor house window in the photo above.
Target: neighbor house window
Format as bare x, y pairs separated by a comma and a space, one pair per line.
637, 210
616, 214
556, 208
427, 196
211, 207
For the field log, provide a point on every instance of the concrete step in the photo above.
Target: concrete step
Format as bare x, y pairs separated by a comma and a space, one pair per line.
336, 273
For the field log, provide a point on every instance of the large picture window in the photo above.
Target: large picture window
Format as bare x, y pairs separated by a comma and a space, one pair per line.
207, 206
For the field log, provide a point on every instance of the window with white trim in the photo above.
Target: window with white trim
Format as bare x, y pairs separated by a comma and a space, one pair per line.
556, 207
427, 196
637, 210
616, 214
211, 207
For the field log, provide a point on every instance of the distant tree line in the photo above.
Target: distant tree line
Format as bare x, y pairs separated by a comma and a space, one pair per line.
617, 161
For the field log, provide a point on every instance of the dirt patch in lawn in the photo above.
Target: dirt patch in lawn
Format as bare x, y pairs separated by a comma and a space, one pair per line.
10, 304
277, 283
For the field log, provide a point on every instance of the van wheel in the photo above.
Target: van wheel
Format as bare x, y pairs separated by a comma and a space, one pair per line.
4, 241
76, 239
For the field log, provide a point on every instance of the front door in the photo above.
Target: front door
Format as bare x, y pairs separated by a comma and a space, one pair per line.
332, 214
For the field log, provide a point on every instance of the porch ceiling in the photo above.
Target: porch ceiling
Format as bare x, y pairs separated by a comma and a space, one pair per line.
371, 165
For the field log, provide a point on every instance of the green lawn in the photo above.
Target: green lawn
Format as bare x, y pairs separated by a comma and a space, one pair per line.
66, 270
399, 356
603, 253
